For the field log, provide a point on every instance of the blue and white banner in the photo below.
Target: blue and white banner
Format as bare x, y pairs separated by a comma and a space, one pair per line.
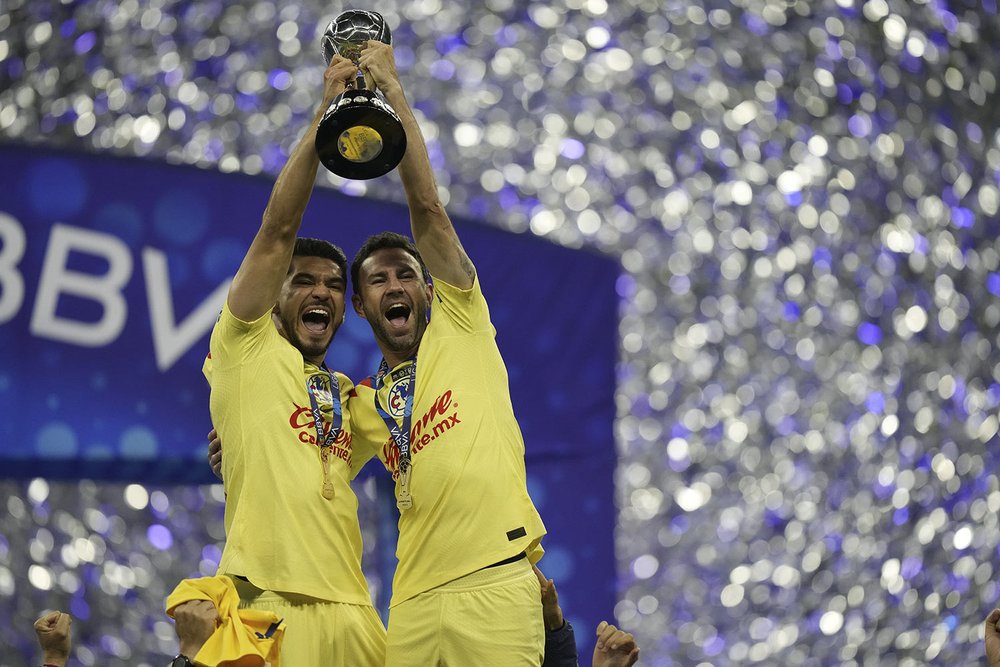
113, 271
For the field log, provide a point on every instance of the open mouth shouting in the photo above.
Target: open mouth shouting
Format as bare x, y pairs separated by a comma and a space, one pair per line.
398, 315
316, 320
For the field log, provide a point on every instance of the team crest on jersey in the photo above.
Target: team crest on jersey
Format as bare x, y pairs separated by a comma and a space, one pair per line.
319, 386
397, 397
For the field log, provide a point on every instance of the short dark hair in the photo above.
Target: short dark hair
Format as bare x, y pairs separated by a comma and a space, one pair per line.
379, 242
307, 247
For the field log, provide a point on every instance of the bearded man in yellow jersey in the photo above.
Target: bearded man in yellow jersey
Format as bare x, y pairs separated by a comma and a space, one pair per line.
464, 592
293, 543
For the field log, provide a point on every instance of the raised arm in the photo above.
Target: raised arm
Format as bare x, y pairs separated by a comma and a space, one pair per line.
433, 232
258, 281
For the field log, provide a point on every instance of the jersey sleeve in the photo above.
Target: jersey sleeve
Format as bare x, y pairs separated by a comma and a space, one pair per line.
364, 435
367, 428
234, 341
457, 310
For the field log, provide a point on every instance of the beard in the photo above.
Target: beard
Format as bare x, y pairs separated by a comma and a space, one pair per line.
396, 343
309, 349
400, 344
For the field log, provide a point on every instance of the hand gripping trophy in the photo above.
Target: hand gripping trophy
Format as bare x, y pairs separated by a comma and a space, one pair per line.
359, 136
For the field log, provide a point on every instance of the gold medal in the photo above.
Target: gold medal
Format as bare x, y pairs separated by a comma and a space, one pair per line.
404, 501
326, 387
324, 455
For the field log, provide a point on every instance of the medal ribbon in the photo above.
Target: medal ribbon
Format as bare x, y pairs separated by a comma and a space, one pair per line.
400, 433
325, 440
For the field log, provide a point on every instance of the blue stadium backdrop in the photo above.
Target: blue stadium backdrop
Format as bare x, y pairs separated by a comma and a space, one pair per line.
113, 270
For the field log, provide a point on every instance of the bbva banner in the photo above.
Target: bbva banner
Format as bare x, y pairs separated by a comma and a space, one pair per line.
113, 271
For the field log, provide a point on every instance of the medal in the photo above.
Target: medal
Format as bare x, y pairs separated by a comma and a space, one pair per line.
325, 439
328, 491
404, 501
400, 432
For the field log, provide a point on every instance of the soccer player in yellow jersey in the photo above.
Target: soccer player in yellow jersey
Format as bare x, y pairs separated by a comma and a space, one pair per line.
439, 408
293, 543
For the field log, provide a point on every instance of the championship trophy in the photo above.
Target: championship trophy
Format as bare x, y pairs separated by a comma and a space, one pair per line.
359, 136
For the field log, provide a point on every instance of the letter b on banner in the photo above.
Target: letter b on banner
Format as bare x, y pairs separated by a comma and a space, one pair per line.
57, 279
12, 244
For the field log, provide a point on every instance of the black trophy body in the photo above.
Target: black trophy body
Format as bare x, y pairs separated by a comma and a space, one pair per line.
359, 136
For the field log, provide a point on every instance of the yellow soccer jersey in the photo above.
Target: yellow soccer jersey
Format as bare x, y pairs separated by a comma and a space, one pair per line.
470, 501
281, 533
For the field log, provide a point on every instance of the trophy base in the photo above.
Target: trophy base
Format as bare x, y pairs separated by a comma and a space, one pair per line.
360, 137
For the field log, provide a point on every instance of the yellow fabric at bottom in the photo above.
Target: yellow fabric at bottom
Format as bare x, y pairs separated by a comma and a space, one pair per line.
320, 633
243, 638
490, 618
